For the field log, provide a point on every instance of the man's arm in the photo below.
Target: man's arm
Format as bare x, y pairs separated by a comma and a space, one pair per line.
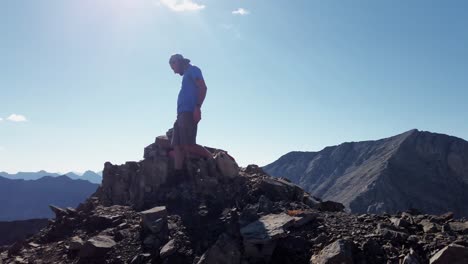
201, 91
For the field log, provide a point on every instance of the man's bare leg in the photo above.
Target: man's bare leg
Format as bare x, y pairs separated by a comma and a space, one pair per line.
179, 155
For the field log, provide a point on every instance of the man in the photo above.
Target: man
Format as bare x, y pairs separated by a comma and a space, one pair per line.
189, 102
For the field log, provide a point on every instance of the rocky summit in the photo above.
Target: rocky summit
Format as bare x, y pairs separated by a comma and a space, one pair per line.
220, 213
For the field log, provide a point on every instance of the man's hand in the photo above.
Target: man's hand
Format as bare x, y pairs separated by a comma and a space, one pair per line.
197, 114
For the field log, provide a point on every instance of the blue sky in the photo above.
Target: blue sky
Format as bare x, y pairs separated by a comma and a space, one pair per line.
88, 81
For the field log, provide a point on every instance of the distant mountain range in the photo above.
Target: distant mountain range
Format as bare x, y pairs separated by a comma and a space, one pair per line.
27, 199
421, 170
94, 177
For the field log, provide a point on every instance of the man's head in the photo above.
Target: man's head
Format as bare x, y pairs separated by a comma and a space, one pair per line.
178, 63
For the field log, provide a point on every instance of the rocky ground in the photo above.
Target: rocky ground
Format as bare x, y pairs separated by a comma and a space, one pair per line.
216, 216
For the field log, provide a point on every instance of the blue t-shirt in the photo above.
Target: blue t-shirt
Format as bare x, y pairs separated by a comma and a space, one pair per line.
188, 94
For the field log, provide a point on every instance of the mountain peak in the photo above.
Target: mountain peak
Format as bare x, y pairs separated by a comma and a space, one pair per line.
364, 176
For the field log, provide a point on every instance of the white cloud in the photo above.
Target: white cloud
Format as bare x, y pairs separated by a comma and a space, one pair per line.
1, 119
241, 12
182, 5
17, 118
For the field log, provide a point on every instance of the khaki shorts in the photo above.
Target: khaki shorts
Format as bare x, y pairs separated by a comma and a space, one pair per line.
185, 130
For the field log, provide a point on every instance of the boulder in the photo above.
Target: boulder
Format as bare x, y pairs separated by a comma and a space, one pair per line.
226, 250
330, 206
451, 254
59, 212
260, 236
168, 249
154, 219
226, 165
76, 243
428, 226
459, 227
96, 247
266, 228
278, 189
338, 252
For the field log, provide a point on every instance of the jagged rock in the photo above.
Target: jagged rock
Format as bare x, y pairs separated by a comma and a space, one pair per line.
331, 206
451, 254
302, 217
459, 227
102, 221
373, 250
141, 259
226, 250
428, 226
311, 201
266, 228
400, 222
168, 249
152, 242
253, 169
278, 189
338, 252
59, 212
76, 243
387, 232
226, 165
447, 216
411, 258
265, 205
163, 142
96, 247
259, 236
154, 219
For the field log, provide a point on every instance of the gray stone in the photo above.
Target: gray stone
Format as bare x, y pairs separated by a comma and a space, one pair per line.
428, 226
227, 165
96, 246
154, 219
59, 212
141, 258
399, 222
168, 249
76, 243
264, 204
226, 250
310, 201
163, 142
278, 189
304, 218
338, 252
410, 258
266, 228
151, 242
459, 227
389, 232
452, 254
260, 236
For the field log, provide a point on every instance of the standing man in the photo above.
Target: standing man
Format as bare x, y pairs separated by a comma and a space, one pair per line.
189, 102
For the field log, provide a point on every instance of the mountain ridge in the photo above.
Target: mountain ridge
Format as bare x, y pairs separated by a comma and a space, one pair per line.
91, 176
28, 199
367, 176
